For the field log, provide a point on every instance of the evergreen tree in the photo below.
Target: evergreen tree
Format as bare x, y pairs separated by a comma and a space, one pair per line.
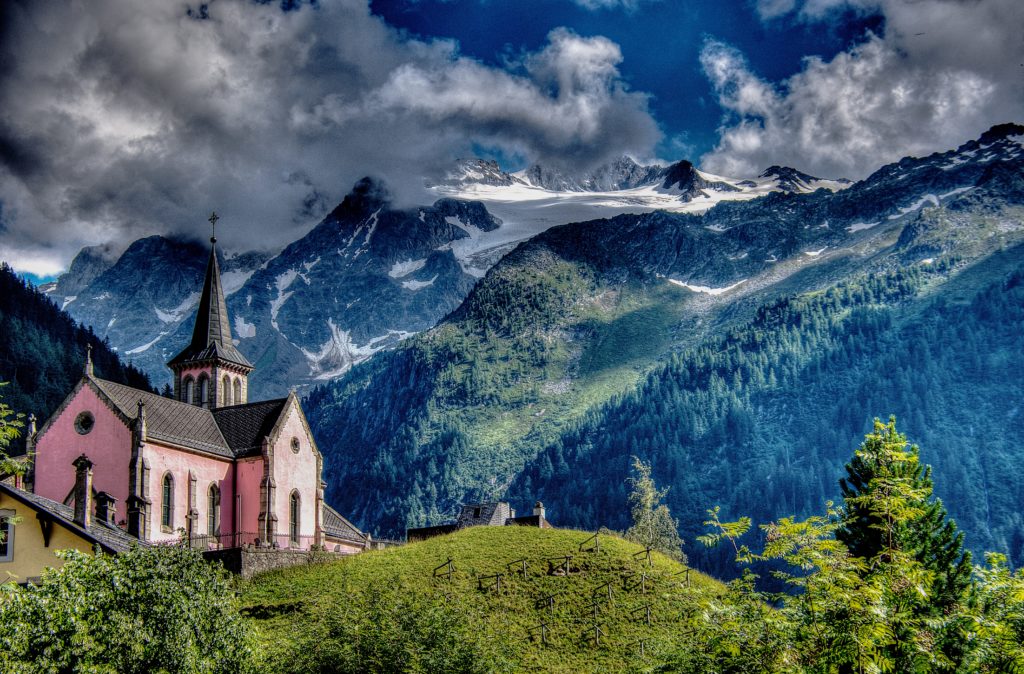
653, 524
890, 517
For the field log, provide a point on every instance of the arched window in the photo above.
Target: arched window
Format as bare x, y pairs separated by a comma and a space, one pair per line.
226, 390
238, 391
187, 387
213, 511
203, 390
293, 518
167, 503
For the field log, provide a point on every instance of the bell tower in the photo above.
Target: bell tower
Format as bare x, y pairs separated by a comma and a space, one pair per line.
210, 371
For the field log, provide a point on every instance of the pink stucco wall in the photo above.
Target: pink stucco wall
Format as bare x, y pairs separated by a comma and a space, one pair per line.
250, 474
207, 470
108, 445
295, 471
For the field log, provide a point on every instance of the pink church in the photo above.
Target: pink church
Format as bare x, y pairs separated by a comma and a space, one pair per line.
207, 464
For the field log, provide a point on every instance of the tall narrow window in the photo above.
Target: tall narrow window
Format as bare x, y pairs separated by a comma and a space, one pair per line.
187, 388
213, 512
6, 536
167, 503
238, 391
226, 390
293, 518
203, 392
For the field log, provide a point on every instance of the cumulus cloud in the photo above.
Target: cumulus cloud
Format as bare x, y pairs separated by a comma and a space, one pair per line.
121, 118
942, 72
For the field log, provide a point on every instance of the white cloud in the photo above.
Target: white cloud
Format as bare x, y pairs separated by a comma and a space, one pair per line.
942, 72
628, 5
124, 118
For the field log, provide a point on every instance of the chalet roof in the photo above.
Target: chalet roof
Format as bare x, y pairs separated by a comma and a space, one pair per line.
211, 335
109, 538
245, 426
491, 513
231, 432
336, 526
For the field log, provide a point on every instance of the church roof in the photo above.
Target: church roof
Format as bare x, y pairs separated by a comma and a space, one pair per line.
336, 526
109, 538
245, 426
231, 432
169, 420
211, 335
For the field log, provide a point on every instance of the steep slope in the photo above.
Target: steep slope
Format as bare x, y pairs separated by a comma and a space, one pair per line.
583, 312
42, 350
141, 302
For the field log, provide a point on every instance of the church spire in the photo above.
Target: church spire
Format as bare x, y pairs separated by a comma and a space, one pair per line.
211, 345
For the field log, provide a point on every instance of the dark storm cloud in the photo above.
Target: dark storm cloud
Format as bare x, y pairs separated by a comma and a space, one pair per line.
122, 118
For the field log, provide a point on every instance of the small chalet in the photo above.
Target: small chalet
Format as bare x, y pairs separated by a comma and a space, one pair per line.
207, 465
487, 514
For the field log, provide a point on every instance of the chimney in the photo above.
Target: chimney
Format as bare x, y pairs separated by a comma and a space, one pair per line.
538, 510
83, 491
106, 509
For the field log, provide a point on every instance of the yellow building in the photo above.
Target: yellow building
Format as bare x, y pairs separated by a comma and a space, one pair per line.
33, 528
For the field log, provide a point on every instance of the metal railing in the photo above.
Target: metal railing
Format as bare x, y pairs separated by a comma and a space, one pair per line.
245, 538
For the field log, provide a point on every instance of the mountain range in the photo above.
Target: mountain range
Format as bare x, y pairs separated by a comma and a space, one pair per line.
528, 332
370, 274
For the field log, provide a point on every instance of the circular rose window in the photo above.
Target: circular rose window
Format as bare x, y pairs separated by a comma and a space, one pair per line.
84, 423
295, 445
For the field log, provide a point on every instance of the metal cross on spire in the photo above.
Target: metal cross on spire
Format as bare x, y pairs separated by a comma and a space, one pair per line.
213, 226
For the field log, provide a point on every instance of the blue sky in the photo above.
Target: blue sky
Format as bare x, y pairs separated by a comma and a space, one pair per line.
121, 119
660, 42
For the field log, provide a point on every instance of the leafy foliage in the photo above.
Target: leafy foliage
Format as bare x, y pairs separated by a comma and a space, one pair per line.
653, 524
153, 609
10, 425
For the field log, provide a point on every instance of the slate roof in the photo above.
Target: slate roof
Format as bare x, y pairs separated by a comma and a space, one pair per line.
231, 432
169, 420
109, 538
336, 526
492, 513
211, 335
245, 426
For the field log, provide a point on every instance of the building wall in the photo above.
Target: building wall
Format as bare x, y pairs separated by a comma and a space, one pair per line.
295, 471
179, 463
250, 474
108, 445
31, 555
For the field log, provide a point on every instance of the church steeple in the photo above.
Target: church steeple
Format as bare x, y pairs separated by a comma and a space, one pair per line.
210, 371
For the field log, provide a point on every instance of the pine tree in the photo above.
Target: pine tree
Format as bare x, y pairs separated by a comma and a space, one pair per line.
890, 517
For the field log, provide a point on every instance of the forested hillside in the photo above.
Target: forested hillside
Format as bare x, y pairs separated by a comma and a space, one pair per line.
762, 420
743, 352
42, 350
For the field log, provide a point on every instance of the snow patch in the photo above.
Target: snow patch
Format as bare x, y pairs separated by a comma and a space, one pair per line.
111, 323
339, 352
928, 198
102, 296
310, 265
705, 289
140, 349
233, 281
176, 314
283, 282
959, 190
815, 253
406, 267
67, 301
860, 226
416, 285
244, 330
928, 260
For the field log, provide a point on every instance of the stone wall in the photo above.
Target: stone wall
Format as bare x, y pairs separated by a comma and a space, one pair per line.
249, 561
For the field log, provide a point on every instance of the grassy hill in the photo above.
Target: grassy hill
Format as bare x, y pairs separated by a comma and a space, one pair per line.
387, 610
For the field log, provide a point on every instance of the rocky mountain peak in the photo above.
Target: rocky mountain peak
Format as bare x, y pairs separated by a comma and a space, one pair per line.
368, 195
